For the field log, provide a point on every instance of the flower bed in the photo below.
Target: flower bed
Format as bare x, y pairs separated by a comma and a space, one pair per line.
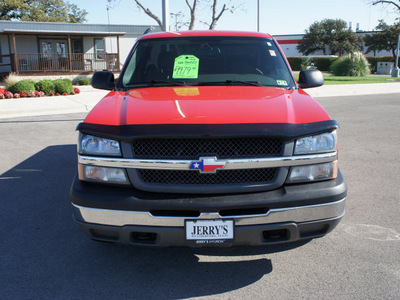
4, 94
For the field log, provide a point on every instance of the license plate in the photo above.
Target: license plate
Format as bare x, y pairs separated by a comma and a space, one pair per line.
209, 231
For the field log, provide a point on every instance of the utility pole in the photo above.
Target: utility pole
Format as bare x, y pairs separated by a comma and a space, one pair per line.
176, 19
258, 15
165, 15
395, 72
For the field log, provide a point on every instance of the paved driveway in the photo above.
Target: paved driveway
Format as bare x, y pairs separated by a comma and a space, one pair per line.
43, 255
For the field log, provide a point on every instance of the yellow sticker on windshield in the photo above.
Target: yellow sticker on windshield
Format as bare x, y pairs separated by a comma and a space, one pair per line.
186, 66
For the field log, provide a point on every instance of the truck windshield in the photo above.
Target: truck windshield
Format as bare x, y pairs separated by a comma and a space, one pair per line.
196, 61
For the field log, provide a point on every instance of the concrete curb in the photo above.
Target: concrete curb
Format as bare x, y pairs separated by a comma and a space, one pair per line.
89, 97
25, 107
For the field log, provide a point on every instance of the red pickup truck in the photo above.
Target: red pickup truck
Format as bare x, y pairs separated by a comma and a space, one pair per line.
207, 139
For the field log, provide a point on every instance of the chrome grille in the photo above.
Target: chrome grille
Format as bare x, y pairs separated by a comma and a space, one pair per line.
194, 148
221, 177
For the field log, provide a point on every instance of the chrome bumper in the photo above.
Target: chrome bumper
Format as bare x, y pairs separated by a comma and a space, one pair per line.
299, 214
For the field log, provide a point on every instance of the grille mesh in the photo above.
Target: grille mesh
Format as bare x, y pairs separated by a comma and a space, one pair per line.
221, 177
187, 148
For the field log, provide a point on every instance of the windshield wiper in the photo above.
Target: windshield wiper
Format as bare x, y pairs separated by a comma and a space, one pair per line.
180, 83
255, 83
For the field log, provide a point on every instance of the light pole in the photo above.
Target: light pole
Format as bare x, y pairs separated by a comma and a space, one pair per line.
258, 15
165, 15
395, 72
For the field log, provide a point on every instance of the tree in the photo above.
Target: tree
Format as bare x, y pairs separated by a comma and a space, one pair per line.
389, 3
41, 11
329, 36
192, 9
75, 14
149, 13
216, 16
215, 13
384, 39
12, 9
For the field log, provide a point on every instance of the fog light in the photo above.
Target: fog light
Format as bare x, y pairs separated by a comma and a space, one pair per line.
313, 172
103, 174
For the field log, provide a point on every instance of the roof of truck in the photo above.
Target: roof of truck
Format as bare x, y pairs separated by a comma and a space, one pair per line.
192, 33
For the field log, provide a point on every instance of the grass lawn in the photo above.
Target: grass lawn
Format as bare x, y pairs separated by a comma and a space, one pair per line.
330, 79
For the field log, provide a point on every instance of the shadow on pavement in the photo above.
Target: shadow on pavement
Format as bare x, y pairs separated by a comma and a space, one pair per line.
43, 253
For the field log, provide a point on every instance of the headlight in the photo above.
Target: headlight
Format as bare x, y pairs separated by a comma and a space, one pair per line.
313, 172
102, 174
325, 142
94, 145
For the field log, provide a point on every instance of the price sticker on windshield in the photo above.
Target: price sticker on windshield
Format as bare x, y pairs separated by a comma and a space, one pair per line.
186, 66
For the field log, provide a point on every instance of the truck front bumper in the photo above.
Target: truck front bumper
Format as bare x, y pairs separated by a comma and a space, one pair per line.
129, 216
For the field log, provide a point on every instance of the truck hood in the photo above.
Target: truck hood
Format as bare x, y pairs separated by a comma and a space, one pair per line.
207, 105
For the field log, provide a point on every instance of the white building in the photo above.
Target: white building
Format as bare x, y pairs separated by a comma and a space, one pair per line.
37, 47
289, 43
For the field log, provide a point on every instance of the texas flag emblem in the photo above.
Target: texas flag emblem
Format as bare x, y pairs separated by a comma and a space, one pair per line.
207, 165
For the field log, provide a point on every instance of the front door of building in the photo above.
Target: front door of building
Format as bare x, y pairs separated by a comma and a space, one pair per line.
53, 54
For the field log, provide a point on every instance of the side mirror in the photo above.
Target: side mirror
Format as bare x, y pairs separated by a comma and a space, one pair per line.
103, 80
310, 78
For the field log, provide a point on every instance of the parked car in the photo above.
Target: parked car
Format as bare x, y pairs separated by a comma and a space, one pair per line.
207, 139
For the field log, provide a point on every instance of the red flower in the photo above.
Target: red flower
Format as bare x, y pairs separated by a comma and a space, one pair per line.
8, 95
76, 90
57, 94
22, 94
65, 94
2, 91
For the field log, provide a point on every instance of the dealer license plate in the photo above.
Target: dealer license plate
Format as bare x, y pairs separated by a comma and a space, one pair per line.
209, 231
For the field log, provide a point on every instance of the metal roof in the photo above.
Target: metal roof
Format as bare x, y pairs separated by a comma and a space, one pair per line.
59, 32
72, 28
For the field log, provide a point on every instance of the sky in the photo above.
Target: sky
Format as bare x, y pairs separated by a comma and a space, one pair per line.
277, 17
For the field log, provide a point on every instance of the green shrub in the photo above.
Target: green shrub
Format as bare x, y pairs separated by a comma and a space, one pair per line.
45, 86
297, 63
351, 65
84, 81
23, 85
373, 61
67, 80
301, 63
323, 63
61, 86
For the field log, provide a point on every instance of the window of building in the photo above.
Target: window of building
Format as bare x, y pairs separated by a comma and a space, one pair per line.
77, 46
100, 49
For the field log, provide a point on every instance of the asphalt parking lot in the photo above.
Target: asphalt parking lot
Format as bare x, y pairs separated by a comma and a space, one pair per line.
43, 255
